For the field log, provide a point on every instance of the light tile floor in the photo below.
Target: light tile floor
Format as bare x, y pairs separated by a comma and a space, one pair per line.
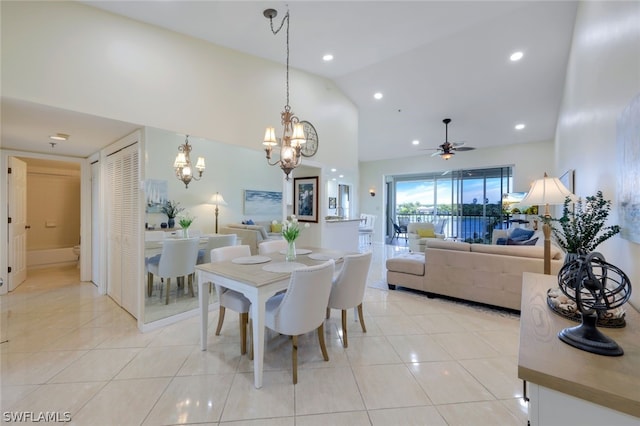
422, 362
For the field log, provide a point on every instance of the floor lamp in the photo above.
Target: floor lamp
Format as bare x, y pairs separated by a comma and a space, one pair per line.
217, 200
544, 192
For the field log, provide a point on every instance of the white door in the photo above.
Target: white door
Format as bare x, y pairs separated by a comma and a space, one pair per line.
96, 245
17, 193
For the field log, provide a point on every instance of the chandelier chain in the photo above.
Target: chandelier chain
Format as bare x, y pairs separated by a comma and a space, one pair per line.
275, 32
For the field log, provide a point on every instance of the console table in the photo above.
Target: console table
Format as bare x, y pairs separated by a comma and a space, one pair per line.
570, 386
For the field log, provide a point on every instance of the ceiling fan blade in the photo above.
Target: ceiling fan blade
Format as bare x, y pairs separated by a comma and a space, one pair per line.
436, 153
457, 144
465, 148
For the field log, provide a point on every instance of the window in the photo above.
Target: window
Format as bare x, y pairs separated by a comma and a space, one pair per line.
464, 204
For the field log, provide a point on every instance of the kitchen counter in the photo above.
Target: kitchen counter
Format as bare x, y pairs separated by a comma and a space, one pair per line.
341, 234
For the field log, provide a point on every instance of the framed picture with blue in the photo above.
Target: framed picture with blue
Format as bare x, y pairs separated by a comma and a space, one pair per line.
305, 199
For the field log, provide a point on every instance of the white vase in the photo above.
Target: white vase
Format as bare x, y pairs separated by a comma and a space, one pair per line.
185, 232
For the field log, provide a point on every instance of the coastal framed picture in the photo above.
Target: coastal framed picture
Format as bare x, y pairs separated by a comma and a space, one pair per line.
262, 203
305, 199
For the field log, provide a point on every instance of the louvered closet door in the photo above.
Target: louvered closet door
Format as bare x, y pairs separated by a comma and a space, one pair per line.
114, 227
130, 226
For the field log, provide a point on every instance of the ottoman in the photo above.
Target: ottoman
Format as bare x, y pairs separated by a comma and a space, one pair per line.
406, 270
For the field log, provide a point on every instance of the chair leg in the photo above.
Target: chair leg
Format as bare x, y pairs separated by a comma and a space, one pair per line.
220, 320
190, 281
149, 284
328, 312
166, 302
323, 347
244, 319
361, 316
294, 358
250, 339
345, 341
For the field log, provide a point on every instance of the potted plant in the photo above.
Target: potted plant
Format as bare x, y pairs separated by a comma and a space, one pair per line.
290, 232
582, 229
171, 209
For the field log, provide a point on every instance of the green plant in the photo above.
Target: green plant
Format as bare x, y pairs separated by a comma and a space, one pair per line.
291, 229
186, 221
582, 229
171, 209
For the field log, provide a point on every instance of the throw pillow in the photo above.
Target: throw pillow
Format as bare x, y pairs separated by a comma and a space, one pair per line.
426, 233
531, 242
276, 227
250, 222
520, 234
501, 241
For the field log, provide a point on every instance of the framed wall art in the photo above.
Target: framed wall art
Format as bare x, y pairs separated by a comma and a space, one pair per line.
156, 195
262, 203
628, 166
332, 202
305, 199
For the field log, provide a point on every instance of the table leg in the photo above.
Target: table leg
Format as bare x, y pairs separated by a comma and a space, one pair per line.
203, 299
258, 314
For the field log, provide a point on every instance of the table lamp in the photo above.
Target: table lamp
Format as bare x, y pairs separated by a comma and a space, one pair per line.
217, 200
547, 191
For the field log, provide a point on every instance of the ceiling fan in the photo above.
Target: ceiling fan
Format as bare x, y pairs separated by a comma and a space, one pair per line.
446, 150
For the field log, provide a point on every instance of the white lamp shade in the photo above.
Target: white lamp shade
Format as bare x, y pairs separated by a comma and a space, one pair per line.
270, 137
298, 135
186, 171
548, 190
218, 200
181, 160
200, 164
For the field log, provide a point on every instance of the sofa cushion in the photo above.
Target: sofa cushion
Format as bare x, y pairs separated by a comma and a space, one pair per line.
448, 245
276, 227
531, 242
519, 251
426, 233
520, 234
410, 263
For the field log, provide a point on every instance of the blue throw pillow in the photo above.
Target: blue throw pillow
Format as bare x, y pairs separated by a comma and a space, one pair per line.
250, 222
520, 234
531, 242
501, 241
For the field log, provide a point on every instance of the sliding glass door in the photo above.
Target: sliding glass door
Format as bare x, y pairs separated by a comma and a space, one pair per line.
463, 204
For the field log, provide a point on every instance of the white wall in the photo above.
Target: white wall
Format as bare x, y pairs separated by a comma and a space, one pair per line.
529, 162
603, 75
80, 58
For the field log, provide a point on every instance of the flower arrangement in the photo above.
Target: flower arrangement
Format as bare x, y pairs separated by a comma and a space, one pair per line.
582, 230
291, 228
186, 221
172, 209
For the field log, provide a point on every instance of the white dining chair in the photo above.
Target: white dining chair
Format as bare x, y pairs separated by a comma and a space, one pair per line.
152, 236
347, 289
232, 299
215, 241
301, 308
272, 246
178, 259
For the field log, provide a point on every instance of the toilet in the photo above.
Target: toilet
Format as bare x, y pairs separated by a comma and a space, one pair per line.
76, 252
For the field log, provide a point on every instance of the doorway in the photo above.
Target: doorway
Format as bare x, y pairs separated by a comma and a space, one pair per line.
344, 201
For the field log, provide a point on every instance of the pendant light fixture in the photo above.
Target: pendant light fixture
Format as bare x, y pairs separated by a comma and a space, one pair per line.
293, 134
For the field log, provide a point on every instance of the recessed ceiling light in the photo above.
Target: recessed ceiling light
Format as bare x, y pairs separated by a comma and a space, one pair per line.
59, 137
377, 95
341, 176
333, 170
516, 56
520, 126
328, 57
333, 179
416, 142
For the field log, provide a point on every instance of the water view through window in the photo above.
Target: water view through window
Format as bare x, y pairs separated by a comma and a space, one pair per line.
463, 204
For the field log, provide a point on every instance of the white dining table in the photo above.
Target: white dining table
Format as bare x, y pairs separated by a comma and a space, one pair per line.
257, 285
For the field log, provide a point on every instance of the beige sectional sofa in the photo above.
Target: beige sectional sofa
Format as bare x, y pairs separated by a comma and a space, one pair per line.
251, 235
418, 243
490, 274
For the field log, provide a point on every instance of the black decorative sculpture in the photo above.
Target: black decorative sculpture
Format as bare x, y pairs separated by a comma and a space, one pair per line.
595, 285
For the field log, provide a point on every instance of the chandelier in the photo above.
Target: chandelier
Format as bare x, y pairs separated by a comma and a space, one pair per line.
293, 134
182, 164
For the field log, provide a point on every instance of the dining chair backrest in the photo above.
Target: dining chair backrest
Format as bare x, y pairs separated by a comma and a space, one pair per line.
154, 235
216, 241
349, 286
195, 233
272, 246
178, 257
304, 304
221, 254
